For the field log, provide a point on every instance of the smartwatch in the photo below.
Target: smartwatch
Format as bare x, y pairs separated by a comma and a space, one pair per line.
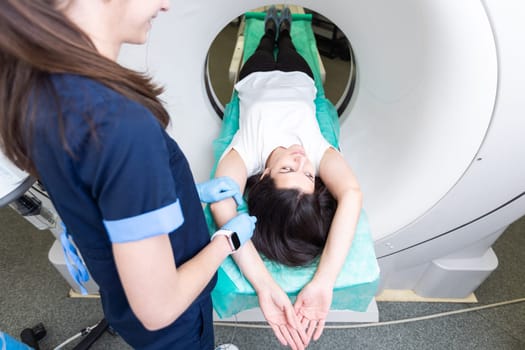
232, 236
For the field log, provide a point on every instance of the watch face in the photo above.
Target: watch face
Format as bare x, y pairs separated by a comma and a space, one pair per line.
235, 240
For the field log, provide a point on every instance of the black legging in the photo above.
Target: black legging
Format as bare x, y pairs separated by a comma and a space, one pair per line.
288, 59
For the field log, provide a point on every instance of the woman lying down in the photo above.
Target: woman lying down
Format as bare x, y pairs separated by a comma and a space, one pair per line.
304, 194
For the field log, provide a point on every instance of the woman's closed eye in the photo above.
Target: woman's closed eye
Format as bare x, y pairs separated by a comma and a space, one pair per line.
310, 176
288, 169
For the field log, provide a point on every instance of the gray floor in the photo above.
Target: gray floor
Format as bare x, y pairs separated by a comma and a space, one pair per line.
31, 291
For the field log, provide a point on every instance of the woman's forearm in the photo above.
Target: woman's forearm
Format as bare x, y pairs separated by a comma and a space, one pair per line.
223, 211
157, 290
252, 267
247, 258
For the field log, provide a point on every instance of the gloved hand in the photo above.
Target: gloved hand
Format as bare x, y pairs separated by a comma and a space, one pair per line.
243, 224
218, 189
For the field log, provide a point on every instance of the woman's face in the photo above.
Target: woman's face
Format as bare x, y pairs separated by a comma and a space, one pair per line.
290, 168
111, 23
132, 18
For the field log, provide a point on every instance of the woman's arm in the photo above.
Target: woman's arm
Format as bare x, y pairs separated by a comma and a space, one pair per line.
230, 165
314, 300
247, 257
158, 291
274, 303
342, 184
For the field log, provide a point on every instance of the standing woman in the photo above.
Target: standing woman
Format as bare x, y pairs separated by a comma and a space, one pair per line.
93, 133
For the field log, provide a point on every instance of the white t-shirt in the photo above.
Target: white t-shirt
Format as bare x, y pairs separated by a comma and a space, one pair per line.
276, 110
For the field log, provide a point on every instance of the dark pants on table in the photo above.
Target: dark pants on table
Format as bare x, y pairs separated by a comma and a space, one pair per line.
288, 59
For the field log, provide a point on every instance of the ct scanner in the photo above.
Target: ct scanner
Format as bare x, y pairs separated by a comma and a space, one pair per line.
434, 128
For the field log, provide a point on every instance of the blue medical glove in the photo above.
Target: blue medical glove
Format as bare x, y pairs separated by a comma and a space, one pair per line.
218, 189
243, 224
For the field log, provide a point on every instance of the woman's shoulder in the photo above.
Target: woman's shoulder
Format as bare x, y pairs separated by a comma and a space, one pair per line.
87, 105
81, 96
84, 90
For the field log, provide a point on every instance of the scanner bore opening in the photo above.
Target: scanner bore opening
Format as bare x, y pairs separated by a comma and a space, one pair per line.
334, 48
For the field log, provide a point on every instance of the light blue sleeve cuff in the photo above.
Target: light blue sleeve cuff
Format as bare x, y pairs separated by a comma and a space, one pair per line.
153, 223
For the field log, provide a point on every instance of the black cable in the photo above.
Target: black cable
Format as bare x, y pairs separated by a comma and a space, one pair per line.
93, 335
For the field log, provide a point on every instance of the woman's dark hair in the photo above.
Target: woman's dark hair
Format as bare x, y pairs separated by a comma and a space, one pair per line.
292, 226
37, 40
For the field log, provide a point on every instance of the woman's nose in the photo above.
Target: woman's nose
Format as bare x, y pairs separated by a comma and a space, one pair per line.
300, 161
165, 5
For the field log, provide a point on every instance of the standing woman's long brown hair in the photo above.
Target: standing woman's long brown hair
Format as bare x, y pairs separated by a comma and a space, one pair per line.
37, 40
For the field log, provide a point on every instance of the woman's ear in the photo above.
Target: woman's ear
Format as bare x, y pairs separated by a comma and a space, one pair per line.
265, 172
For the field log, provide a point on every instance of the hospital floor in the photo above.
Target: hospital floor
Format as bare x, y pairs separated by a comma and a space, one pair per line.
32, 291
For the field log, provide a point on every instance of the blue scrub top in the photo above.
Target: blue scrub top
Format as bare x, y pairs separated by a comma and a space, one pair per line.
121, 178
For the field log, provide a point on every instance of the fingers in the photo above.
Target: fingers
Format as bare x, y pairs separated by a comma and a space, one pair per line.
228, 181
297, 326
218, 189
238, 199
278, 334
313, 328
298, 304
234, 191
296, 338
305, 325
286, 333
226, 194
291, 317
287, 336
290, 333
319, 330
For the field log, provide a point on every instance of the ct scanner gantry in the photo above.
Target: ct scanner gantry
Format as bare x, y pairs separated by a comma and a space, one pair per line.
434, 128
